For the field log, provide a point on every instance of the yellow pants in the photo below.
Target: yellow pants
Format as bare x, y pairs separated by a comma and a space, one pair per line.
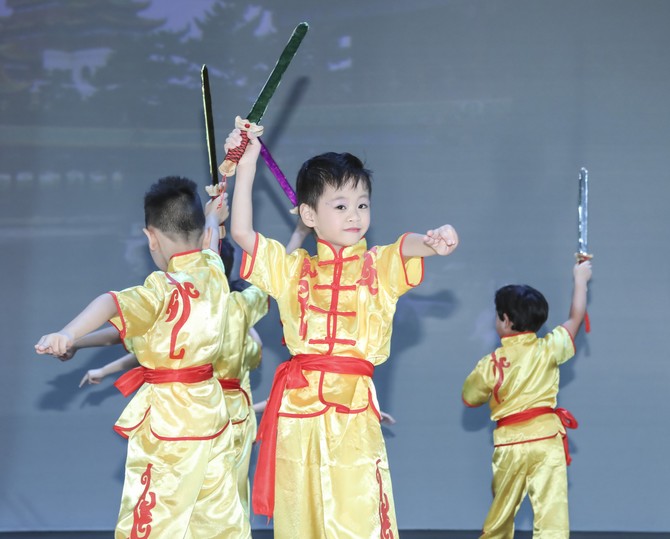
539, 470
333, 480
180, 489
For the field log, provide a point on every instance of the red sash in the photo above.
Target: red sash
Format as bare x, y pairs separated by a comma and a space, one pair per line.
233, 384
567, 419
289, 376
133, 379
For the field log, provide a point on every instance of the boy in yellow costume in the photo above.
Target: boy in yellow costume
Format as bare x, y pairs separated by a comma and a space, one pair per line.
178, 480
322, 469
520, 382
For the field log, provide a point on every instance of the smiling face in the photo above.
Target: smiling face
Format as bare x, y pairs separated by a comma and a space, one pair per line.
341, 217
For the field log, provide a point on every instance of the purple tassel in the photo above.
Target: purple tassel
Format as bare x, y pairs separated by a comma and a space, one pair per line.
276, 171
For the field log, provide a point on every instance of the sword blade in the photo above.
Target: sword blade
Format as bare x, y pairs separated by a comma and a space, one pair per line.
209, 126
274, 79
583, 211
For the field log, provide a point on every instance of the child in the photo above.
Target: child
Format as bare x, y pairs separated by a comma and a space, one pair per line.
520, 382
178, 480
242, 354
321, 426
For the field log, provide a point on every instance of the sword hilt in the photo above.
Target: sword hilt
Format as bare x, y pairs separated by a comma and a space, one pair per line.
583, 257
229, 165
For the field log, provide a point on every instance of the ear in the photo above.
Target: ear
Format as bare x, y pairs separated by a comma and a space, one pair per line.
207, 239
507, 323
307, 215
151, 237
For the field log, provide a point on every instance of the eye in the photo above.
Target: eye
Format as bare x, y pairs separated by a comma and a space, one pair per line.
363, 206
340, 207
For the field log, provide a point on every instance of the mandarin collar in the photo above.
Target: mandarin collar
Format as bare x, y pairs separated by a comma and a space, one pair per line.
325, 250
182, 260
519, 338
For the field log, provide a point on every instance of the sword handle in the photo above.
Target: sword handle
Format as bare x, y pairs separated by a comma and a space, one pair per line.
229, 165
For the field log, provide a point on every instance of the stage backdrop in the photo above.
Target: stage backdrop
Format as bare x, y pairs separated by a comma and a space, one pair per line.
470, 112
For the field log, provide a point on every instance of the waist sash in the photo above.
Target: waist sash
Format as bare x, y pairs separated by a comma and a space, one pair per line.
289, 375
133, 379
567, 419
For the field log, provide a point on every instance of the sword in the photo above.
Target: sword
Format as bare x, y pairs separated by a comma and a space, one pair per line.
582, 253
229, 164
583, 216
214, 189
209, 126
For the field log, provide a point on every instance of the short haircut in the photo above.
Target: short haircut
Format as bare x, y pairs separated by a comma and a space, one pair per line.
333, 169
526, 307
172, 205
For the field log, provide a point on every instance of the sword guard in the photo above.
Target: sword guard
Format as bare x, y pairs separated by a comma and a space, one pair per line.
229, 165
583, 257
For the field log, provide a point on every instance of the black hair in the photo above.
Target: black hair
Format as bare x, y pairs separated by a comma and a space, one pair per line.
526, 307
227, 253
334, 169
172, 205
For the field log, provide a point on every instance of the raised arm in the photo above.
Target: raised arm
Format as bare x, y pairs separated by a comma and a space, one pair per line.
582, 275
216, 212
438, 241
298, 237
92, 317
241, 223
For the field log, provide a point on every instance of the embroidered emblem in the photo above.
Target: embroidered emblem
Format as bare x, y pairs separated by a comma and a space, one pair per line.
303, 294
181, 295
384, 506
369, 272
498, 370
142, 513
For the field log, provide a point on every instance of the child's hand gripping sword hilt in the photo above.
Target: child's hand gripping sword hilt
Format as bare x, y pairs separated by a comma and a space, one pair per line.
229, 165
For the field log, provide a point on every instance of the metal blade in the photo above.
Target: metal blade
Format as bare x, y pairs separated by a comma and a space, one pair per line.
274, 79
583, 211
209, 126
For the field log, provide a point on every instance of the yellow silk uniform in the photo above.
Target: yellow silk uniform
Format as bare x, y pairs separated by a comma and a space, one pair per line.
178, 480
332, 477
529, 456
241, 355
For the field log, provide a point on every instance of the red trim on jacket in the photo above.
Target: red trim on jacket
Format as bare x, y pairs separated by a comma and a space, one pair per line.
404, 269
289, 375
246, 255
468, 404
122, 329
572, 339
191, 438
184, 253
233, 384
123, 431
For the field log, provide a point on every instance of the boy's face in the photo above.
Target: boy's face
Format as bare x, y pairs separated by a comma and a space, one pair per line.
342, 216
